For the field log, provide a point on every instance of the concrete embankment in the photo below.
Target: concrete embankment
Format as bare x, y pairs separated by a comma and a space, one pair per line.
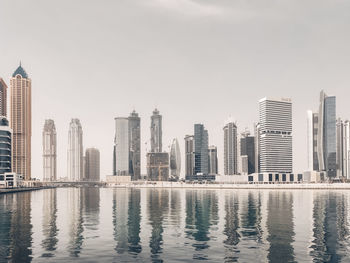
24, 189
325, 186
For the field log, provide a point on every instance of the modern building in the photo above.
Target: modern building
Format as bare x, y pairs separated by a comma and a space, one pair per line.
49, 151
312, 131
275, 136
5, 146
247, 148
121, 147
244, 164
134, 146
3, 98
230, 149
346, 149
257, 147
201, 162
21, 122
340, 146
156, 132
189, 155
75, 151
92, 165
213, 159
175, 161
158, 166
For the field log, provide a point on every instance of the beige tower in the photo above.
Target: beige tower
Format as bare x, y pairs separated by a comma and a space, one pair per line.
21, 122
3, 98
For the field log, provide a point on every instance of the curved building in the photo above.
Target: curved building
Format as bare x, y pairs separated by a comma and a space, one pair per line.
175, 160
5, 146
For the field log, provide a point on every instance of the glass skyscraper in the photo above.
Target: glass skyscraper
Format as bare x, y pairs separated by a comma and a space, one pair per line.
201, 165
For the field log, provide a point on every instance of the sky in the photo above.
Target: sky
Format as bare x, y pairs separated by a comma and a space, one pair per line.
197, 61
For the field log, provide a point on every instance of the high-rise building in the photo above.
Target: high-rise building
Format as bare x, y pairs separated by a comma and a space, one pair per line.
3, 98
121, 165
134, 146
247, 146
346, 149
213, 159
5, 142
275, 136
21, 122
326, 137
189, 155
312, 131
156, 132
200, 150
339, 151
75, 151
92, 165
257, 147
49, 151
230, 149
175, 160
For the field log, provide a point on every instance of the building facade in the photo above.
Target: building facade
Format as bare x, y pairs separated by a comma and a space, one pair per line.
189, 155
175, 160
92, 165
134, 146
230, 149
339, 149
49, 151
346, 149
75, 151
121, 147
3, 98
5, 146
21, 122
213, 159
201, 157
275, 135
156, 132
247, 148
312, 130
158, 166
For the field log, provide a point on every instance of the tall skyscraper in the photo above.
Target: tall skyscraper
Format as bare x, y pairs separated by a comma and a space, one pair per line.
200, 150
5, 142
312, 130
121, 165
346, 149
3, 98
339, 151
189, 155
257, 147
92, 165
213, 159
247, 146
175, 160
75, 151
49, 151
134, 146
230, 149
275, 135
21, 122
326, 137
156, 132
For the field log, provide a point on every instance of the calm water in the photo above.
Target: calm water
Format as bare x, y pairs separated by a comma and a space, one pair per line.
145, 225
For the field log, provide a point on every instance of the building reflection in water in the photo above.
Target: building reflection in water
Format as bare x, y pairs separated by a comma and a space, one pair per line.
158, 206
75, 221
21, 228
134, 220
201, 214
6, 202
280, 227
49, 226
120, 219
91, 207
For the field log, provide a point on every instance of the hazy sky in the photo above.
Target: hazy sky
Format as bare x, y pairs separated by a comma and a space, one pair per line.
197, 61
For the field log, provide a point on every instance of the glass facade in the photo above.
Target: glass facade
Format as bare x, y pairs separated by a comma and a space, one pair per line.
200, 149
329, 139
5, 147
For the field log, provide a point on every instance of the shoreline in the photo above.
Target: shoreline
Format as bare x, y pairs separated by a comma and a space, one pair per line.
24, 189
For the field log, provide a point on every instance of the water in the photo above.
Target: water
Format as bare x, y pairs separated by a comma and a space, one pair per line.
161, 225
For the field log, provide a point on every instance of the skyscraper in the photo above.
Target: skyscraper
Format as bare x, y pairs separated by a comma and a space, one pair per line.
121, 165
49, 151
189, 155
230, 149
339, 151
248, 149
156, 132
75, 151
275, 135
5, 142
134, 146
200, 150
346, 149
175, 160
3, 98
326, 137
92, 165
21, 122
213, 159
312, 130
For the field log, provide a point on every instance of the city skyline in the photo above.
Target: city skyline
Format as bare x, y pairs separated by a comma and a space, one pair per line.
200, 74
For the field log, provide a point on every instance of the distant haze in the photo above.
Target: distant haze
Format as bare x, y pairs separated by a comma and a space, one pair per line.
197, 61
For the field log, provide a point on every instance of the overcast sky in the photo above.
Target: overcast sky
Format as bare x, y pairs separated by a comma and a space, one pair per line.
197, 61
